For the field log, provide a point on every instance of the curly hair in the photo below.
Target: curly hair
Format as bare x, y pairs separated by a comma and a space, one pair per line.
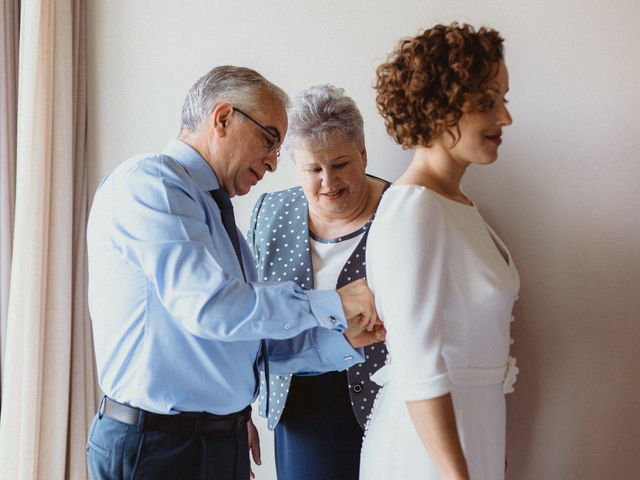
430, 80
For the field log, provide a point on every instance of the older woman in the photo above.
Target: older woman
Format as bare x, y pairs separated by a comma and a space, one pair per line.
441, 412
315, 235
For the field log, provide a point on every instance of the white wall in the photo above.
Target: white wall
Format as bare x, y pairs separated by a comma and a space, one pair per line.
563, 194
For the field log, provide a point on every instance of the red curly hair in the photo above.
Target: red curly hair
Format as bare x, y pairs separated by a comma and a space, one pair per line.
430, 80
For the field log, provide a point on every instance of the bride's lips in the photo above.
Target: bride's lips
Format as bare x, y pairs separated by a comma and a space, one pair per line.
497, 139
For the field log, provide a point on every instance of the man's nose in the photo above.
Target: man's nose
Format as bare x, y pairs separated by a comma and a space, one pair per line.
271, 162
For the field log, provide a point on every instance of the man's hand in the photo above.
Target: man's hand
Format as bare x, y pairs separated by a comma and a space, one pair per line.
363, 325
254, 444
365, 337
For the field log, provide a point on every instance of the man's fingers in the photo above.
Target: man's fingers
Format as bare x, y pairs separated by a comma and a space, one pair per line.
372, 318
254, 442
380, 332
368, 318
364, 337
255, 453
357, 300
367, 338
362, 322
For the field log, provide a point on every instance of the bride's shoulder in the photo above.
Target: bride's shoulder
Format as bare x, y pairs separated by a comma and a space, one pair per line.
407, 199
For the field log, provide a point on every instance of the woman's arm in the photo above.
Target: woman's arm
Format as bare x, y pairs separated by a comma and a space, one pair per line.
435, 423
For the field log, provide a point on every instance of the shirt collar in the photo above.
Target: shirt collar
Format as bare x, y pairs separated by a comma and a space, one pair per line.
192, 161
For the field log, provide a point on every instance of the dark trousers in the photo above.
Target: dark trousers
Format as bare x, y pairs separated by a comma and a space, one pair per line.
118, 451
318, 436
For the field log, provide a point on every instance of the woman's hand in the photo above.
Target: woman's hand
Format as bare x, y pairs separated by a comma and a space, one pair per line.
254, 445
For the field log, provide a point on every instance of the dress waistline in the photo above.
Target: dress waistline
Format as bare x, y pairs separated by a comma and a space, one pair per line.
506, 375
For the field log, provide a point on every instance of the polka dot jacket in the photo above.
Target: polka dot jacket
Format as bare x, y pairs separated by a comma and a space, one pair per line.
279, 239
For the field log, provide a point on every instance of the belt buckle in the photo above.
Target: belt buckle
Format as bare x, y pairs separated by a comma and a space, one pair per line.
103, 403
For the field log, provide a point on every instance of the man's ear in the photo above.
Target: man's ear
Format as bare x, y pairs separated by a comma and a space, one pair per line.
363, 152
220, 118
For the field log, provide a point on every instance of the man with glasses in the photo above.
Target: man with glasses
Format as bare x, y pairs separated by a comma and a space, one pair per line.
178, 318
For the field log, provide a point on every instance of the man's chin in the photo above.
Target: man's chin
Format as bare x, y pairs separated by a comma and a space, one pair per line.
243, 190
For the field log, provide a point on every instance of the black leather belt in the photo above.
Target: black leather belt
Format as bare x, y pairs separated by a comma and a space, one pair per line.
185, 422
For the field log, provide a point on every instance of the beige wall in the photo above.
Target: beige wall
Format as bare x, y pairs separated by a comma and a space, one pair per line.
563, 194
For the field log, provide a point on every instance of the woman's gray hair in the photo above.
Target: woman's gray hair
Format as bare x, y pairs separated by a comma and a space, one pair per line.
321, 112
238, 86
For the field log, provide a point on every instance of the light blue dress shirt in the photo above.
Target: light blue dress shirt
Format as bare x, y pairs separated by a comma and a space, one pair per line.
176, 328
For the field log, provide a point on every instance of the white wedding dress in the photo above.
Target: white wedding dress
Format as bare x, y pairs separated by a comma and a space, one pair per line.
445, 286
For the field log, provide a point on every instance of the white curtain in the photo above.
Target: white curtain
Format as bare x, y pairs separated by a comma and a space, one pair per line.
9, 28
48, 382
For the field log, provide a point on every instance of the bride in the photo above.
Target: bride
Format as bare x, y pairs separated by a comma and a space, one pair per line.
444, 282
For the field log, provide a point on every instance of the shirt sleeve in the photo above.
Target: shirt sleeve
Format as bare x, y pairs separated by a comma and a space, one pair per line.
314, 350
161, 223
406, 256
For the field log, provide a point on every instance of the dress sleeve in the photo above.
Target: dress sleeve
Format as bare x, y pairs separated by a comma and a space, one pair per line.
406, 259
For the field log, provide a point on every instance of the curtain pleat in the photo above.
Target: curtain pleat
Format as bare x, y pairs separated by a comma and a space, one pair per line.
83, 394
49, 360
9, 36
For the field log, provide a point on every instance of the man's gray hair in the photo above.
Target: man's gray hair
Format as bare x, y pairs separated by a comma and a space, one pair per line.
319, 114
238, 86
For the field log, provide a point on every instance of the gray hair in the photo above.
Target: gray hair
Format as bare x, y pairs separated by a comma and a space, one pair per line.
320, 113
238, 86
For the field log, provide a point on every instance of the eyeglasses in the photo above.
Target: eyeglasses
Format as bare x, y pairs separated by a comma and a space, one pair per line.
271, 134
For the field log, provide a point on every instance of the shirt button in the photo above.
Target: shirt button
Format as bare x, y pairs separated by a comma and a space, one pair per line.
511, 341
348, 357
513, 318
357, 388
333, 319
286, 326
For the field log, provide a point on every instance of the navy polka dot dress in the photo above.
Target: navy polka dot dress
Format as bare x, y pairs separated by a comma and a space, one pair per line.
318, 419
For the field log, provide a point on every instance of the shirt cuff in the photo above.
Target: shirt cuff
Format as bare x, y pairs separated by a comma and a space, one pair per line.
337, 349
326, 307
